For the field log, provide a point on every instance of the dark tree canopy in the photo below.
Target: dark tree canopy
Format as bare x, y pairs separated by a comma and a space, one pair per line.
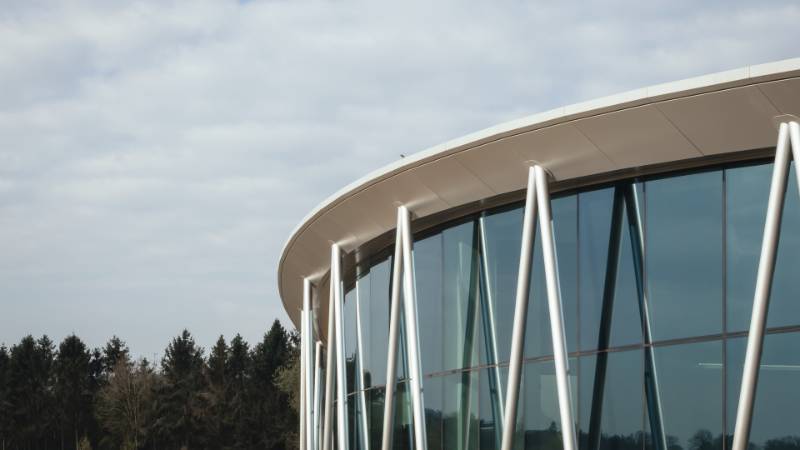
75, 397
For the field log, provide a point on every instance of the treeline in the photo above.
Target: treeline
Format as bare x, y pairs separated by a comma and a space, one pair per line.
72, 397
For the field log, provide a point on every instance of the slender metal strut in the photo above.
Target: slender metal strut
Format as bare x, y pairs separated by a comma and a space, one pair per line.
391, 352
520, 313
341, 372
788, 136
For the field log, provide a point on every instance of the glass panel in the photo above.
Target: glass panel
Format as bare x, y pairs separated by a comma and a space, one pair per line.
460, 293
428, 277
355, 425
690, 393
364, 304
460, 411
541, 417
492, 383
349, 331
619, 415
433, 412
747, 195
403, 423
594, 229
503, 233
776, 423
538, 334
684, 255
380, 280
376, 398
351, 429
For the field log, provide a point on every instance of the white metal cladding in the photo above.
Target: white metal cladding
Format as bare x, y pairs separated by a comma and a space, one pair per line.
721, 113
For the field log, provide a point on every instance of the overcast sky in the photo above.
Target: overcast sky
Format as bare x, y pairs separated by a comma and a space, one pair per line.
154, 157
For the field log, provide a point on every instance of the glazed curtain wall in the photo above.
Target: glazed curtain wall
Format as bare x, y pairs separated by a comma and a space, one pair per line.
675, 328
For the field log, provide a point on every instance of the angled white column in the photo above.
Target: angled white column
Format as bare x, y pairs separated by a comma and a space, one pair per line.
327, 426
403, 267
788, 135
362, 402
560, 354
412, 335
317, 388
307, 354
391, 351
520, 314
302, 418
341, 371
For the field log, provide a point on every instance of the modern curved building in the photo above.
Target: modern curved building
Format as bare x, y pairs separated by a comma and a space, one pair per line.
618, 274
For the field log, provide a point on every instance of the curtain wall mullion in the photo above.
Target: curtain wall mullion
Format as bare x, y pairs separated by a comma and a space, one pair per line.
606, 315
651, 385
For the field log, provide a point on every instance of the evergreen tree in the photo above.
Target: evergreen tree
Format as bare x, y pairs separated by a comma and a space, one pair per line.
30, 396
237, 368
270, 421
72, 391
181, 406
114, 351
6, 426
218, 418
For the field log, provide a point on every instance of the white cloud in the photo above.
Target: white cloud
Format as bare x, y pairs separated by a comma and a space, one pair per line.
155, 156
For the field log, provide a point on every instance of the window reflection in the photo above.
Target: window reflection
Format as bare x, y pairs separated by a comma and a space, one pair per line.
541, 423
502, 235
684, 255
747, 194
461, 289
460, 411
428, 277
403, 424
613, 420
350, 344
690, 385
364, 327
600, 250
433, 412
776, 422
378, 337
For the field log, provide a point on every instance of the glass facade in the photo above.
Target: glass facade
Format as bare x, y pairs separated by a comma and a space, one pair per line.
657, 278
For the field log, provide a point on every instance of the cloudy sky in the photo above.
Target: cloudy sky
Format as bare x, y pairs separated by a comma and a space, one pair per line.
154, 157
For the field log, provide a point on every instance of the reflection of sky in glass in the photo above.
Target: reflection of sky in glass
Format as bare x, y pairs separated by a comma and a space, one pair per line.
428, 271
747, 194
691, 394
684, 255
775, 413
594, 233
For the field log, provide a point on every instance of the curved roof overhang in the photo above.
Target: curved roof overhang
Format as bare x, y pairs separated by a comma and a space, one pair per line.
726, 112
